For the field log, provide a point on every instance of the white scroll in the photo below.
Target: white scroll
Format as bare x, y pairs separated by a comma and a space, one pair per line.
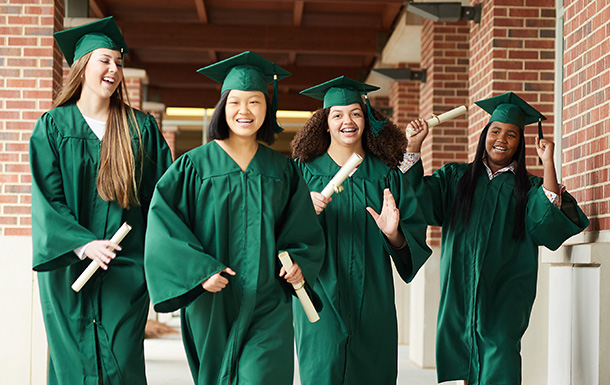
436, 120
93, 266
335, 184
310, 310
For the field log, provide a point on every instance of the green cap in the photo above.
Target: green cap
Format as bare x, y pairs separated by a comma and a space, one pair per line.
247, 71
341, 91
509, 108
78, 41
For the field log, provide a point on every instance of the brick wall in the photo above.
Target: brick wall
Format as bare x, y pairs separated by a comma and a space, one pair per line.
444, 53
586, 107
512, 49
29, 74
134, 91
404, 98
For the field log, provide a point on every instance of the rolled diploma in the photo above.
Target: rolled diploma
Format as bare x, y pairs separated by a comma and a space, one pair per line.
436, 120
342, 175
310, 310
93, 266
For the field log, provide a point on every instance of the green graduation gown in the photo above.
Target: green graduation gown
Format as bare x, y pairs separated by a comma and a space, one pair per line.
356, 341
488, 280
103, 324
207, 215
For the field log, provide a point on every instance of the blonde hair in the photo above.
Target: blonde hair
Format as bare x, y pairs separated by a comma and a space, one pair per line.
117, 178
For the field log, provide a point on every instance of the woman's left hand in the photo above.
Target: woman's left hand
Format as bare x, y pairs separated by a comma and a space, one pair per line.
294, 276
389, 218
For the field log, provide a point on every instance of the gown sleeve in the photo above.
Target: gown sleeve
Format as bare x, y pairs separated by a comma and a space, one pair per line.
413, 226
548, 225
299, 231
157, 158
175, 261
55, 229
434, 192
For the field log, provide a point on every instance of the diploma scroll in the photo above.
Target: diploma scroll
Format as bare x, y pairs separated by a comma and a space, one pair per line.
335, 184
436, 120
310, 310
93, 266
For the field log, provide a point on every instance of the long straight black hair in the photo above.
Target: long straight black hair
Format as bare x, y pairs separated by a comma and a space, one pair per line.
462, 206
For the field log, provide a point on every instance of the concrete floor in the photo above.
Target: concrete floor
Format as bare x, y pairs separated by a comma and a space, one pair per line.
166, 365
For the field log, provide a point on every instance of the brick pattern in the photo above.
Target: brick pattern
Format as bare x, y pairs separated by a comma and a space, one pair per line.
134, 91
512, 49
29, 75
404, 98
586, 107
444, 53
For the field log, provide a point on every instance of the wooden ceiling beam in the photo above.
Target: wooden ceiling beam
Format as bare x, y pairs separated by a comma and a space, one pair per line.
339, 1
201, 11
185, 75
196, 37
297, 17
391, 12
97, 9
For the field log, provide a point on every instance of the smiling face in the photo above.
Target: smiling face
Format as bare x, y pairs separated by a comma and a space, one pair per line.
346, 125
501, 144
245, 112
104, 73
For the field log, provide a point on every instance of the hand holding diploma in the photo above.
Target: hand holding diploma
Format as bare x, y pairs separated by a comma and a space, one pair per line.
420, 130
101, 253
436, 120
295, 277
319, 201
335, 183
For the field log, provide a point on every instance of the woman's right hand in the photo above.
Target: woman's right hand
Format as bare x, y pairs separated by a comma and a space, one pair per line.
217, 282
420, 127
101, 251
319, 201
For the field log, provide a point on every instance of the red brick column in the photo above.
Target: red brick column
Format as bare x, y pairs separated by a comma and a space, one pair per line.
586, 108
404, 98
512, 49
444, 53
30, 74
134, 82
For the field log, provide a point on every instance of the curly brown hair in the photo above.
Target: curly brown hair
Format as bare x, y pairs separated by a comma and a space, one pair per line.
313, 139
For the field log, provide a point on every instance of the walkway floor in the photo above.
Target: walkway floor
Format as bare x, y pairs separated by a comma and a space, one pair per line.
166, 365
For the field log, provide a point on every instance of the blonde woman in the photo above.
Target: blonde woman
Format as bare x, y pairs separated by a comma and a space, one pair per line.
95, 162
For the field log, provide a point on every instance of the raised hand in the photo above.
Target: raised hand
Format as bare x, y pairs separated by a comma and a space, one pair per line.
388, 219
420, 127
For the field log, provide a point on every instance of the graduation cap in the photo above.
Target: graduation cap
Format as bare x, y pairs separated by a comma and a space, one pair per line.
78, 41
510, 108
343, 91
247, 71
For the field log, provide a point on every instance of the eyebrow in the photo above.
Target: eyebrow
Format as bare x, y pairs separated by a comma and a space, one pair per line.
111, 57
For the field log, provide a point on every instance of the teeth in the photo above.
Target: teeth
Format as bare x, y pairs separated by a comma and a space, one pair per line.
349, 130
244, 120
499, 148
109, 80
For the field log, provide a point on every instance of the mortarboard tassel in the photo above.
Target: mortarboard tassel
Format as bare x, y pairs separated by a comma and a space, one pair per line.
540, 135
277, 129
376, 125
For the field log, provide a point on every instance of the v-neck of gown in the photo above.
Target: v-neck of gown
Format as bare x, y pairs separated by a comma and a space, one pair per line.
248, 166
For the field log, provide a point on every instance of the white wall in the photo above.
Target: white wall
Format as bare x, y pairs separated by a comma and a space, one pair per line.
23, 347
